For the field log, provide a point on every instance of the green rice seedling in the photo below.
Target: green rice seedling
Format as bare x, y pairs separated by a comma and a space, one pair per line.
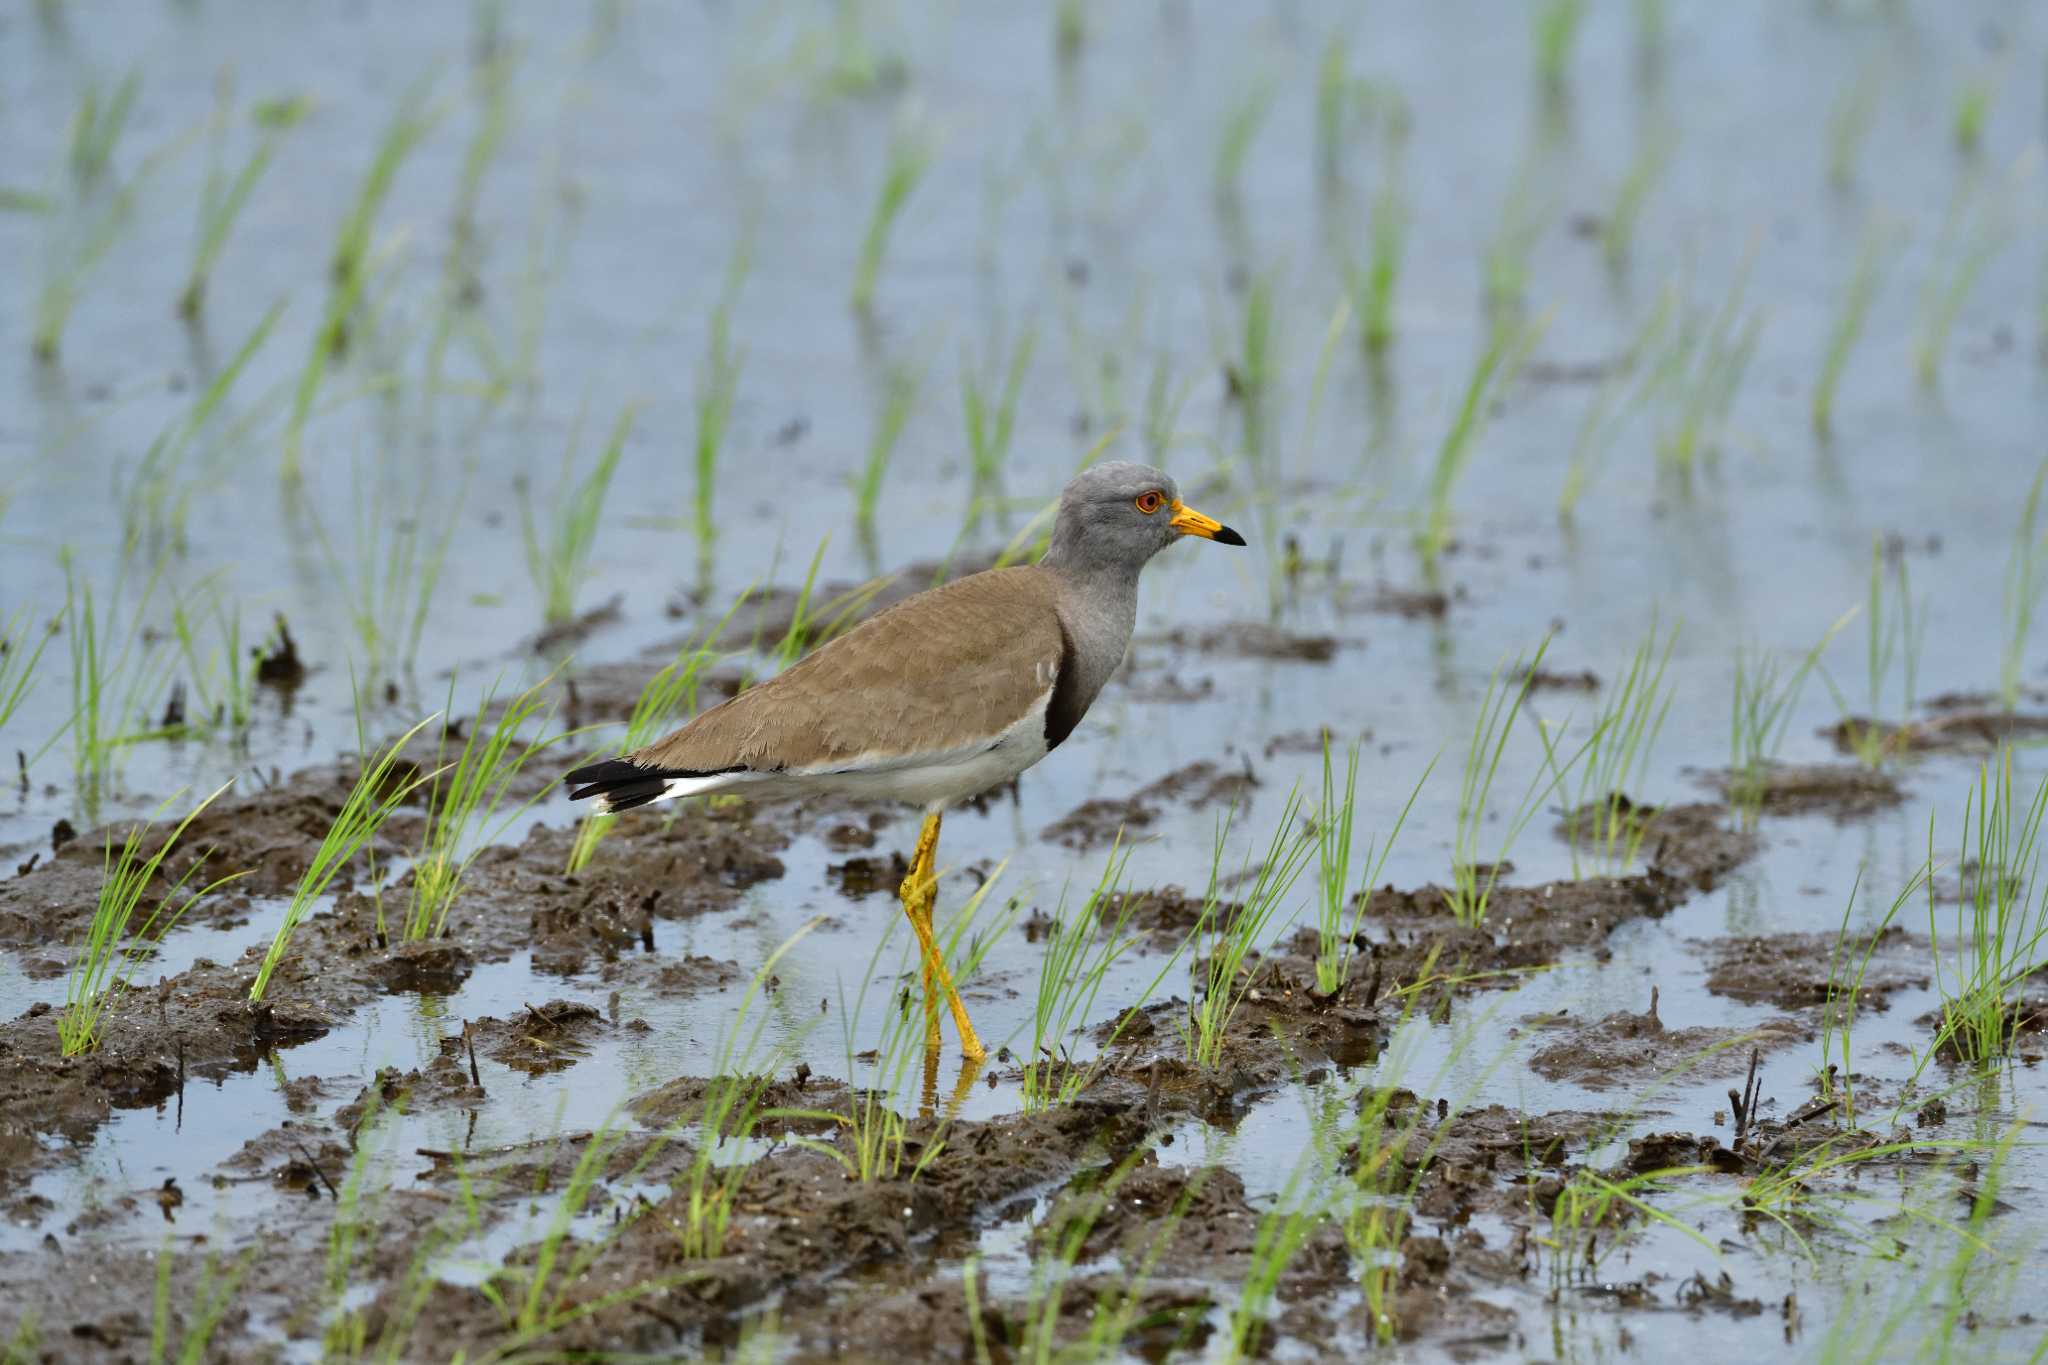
1390, 1146
1849, 122
1336, 936
96, 129
329, 340
1522, 220
1333, 333
493, 88
1079, 952
1071, 1222
223, 681
384, 783
156, 503
1507, 347
2000, 920
1973, 107
2026, 574
909, 157
1620, 395
1810, 1188
403, 135
1976, 230
389, 577
1333, 98
107, 962
1592, 1211
22, 642
1254, 368
1555, 26
876, 1139
1116, 1309
1703, 370
1764, 698
1242, 120
796, 637
1892, 634
112, 668
1873, 258
1653, 157
551, 1292
560, 563
463, 799
732, 1109
1283, 1230
81, 237
1164, 401
899, 400
1652, 26
13, 199
1372, 286
492, 84
1604, 823
717, 383
222, 200
1845, 987
990, 424
353, 264
218, 1286
23, 1341
1472, 876
668, 696
1070, 29
1223, 942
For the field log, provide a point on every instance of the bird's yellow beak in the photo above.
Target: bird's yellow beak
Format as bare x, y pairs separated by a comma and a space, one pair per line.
1189, 522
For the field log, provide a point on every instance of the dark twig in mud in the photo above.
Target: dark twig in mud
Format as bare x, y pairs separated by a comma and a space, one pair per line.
469, 1041
506, 1149
1744, 1102
311, 1161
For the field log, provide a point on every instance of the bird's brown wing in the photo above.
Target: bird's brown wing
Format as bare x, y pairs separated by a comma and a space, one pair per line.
939, 672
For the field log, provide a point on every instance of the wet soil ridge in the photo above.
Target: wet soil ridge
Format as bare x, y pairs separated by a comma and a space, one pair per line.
198, 1024
1844, 791
1200, 785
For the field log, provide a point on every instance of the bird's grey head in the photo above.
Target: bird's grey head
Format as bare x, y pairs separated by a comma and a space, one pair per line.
1117, 515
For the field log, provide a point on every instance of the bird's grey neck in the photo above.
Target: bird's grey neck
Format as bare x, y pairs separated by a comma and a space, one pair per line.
1099, 609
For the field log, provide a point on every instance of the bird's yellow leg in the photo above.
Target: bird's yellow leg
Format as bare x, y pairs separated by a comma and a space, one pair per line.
920, 889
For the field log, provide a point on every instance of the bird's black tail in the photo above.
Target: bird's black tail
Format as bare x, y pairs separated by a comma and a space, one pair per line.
618, 783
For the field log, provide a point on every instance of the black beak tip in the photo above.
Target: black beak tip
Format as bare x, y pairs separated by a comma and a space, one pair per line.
1225, 536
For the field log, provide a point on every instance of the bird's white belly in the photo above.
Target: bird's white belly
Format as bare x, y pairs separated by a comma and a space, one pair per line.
929, 779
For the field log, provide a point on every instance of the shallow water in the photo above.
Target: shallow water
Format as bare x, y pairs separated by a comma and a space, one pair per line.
646, 142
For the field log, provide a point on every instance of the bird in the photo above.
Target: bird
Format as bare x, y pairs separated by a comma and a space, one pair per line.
942, 696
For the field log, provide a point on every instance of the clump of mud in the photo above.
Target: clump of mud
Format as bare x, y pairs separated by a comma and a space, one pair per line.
1796, 971
1845, 791
1198, 786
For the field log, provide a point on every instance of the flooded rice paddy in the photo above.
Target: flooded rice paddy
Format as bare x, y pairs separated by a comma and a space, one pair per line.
1699, 348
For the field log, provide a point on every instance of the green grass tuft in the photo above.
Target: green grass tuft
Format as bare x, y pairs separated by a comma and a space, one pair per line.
2026, 576
464, 796
910, 156
1337, 935
1224, 937
1508, 346
899, 400
107, 962
222, 200
560, 563
383, 784
2000, 919
1873, 258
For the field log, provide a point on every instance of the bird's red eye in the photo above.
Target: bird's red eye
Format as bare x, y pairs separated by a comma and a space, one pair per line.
1151, 502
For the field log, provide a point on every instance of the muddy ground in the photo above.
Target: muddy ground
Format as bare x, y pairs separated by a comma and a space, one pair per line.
1472, 376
